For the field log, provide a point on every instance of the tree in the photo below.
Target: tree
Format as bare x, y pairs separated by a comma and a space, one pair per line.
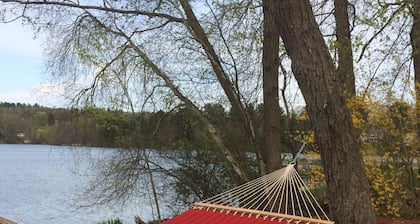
271, 128
160, 54
344, 47
381, 36
393, 68
415, 45
97, 28
394, 26
313, 67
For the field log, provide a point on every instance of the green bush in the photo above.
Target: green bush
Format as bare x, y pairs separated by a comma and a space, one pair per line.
111, 221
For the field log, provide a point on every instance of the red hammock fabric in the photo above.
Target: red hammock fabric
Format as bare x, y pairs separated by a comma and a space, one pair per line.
204, 216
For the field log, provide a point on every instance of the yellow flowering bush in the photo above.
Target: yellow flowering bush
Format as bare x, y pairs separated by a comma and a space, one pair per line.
387, 191
387, 131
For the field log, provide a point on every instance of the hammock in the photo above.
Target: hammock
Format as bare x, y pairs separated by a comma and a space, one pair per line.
279, 197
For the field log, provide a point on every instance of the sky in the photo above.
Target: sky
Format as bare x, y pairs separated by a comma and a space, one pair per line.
21, 68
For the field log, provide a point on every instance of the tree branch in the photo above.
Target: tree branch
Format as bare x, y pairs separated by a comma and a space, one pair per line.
98, 8
379, 32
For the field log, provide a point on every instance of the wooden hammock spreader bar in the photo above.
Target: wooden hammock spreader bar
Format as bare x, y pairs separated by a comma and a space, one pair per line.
262, 213
6, 221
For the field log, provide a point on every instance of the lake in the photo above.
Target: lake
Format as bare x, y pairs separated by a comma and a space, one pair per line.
39, 184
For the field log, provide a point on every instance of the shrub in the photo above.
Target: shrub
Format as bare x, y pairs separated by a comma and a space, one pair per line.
111, 221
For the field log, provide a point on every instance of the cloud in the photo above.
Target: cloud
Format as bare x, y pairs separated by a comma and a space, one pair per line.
50, 94
49, 88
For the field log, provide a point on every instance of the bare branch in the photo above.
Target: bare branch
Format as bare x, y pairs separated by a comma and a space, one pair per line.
389, 53
395, 13
235, 67
99, 8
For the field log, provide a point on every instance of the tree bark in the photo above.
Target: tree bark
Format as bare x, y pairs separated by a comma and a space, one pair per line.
415, 45
345, 70
313, 67
271, 130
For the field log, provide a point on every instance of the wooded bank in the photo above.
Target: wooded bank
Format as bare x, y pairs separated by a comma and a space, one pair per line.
180, 129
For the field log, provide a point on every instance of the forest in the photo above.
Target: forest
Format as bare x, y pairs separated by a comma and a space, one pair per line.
177, 129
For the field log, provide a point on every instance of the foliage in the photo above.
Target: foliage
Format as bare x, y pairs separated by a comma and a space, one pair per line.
387, 130
381, 40
111, 221
177, 129
387, 190
389, 144
200, 175
112, 125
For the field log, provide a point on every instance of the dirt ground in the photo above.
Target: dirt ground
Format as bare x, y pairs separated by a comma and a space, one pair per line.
383, 220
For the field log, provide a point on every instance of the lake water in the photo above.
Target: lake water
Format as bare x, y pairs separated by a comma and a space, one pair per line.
39, 184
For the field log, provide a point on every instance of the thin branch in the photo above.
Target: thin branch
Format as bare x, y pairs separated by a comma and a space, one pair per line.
283, 89
379, 32
235, 67
99, 8
389, 53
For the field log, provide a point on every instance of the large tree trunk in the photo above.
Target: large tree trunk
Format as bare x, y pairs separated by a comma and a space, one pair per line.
271, 131
313, 67
415, 45
344, 48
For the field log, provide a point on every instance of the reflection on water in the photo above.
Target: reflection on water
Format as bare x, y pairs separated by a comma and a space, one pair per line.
39, 185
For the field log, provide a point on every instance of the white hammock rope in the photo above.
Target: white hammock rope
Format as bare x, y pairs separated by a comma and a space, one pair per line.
281, 192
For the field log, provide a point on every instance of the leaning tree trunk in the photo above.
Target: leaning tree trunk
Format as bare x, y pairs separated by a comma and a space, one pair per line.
271, 131
312, 65
228, 87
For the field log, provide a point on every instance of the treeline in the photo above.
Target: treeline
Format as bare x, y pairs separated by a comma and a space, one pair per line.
176, 129
387, 132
